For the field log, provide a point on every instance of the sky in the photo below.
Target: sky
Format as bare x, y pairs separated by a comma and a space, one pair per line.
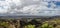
30, 7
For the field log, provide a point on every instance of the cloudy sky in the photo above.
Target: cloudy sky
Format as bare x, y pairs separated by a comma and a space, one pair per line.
30, 7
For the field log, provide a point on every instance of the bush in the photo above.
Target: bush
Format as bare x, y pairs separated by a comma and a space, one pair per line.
29, 26
46, 25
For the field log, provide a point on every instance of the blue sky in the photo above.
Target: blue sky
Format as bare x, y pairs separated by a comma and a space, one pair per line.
29, 7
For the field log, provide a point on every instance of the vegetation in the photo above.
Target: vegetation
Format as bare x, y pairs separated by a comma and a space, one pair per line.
36, 23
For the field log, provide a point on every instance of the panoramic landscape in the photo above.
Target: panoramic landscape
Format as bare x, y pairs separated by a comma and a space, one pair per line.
29, 13
18, 22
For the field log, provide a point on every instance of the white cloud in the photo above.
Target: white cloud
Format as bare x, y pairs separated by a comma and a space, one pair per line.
30, 9
6, 5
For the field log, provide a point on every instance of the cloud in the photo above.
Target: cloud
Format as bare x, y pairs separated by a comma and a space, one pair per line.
29, 7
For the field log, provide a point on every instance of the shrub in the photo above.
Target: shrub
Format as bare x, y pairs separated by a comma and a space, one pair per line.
30, 26
46, 25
